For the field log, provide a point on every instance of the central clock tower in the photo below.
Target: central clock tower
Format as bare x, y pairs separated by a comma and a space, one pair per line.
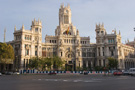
65, 24
64, 15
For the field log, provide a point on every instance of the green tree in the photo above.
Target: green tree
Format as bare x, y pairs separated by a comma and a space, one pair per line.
57, 62
6, 55
112, 63
42, 63
98, 68
48, 62
34, 62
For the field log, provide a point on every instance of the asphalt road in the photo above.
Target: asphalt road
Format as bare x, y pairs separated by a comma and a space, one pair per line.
66, 82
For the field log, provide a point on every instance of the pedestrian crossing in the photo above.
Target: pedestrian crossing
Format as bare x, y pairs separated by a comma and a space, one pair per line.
90, 80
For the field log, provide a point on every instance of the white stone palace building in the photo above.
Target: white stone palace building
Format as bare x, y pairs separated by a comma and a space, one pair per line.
75, 50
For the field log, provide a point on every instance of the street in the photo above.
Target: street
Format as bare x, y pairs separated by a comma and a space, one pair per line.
66, 82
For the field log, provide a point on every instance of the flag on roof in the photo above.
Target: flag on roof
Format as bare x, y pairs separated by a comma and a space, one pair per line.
67, 30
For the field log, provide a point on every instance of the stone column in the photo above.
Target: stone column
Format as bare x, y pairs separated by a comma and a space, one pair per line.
107, 51
102, 61
86, 63
22, 63
101, 51
81, 63
97, 63
92, 64
97, 52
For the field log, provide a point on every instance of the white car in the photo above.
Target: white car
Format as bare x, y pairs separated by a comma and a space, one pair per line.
125, 72
17, 73
132, 71
0, 74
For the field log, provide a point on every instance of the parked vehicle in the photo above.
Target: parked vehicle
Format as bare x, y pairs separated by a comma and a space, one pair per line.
0, 74
8, 73
52, 73
85, 73
117, 72
132, 71
17, 73
126, 72
81, 72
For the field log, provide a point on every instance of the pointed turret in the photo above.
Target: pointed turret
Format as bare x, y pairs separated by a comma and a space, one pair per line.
68, 6
22, 27
62, 5
77, 32
128, 40
99, 25
102, 24
119, 32
115, 32
15, 28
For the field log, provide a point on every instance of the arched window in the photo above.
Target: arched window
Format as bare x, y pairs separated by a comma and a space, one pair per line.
61, 54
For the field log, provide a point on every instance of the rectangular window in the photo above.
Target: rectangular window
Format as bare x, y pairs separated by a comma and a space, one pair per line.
104, 62
61, 54
103, 53
83, 54
99, 62
27, 51
66, 21
35, 47
35, 53
112, 53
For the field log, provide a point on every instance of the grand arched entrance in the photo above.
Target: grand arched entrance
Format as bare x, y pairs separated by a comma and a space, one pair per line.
70, 61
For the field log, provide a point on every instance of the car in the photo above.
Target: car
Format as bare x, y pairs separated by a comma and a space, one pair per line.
16, 73
81, 72
0, 74
132, 71
8, 73
85, 73
51, 73
117, 72
126, 72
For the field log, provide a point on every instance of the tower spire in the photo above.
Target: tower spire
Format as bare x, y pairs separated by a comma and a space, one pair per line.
115, 31
4, 35
68, 5
15, 28
119, 32
102, 24
62, 5
23, 27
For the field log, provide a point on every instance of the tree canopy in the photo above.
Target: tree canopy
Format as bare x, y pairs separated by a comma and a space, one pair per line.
43, 63
112, 63
6, 53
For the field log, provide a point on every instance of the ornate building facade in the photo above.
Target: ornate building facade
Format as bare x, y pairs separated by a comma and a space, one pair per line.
75, 50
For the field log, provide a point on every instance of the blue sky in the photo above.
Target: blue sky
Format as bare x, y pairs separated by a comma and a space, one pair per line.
119, 14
